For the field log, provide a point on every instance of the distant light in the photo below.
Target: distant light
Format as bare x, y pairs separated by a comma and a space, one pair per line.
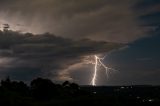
138, 97
94, 92
150, 100
122, 87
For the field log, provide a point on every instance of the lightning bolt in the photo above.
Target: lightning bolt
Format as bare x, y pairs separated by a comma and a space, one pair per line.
95, 71
98, 62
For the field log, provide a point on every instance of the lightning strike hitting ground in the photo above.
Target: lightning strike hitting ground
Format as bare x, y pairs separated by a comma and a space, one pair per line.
98, 62
95, 71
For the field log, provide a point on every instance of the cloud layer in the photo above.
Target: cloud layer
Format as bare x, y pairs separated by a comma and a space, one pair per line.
82, 29
45, 55
108, 20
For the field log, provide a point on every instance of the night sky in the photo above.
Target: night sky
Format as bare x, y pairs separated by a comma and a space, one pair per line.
58, 39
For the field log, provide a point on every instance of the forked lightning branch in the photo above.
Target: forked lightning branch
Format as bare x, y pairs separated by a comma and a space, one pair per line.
99, 63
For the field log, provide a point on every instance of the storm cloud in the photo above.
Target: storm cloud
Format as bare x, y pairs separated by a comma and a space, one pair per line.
108, 20
77, 30
45, 55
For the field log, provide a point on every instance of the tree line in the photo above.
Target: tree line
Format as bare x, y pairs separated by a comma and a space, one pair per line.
39, 88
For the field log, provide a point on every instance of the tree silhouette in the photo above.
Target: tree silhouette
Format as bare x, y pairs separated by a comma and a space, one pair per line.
6, 83
66, 84
20, 88
43, 88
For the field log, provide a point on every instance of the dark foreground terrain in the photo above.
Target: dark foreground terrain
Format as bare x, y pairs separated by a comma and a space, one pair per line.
43, 92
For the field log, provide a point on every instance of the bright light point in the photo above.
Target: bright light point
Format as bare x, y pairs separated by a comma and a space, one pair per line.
150, 100
98, 62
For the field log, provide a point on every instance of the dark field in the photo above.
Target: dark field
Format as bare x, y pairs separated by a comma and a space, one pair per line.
43, 92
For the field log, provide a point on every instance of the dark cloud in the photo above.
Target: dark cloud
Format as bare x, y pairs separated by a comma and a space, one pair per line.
108, 20
45, 54
82, 29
